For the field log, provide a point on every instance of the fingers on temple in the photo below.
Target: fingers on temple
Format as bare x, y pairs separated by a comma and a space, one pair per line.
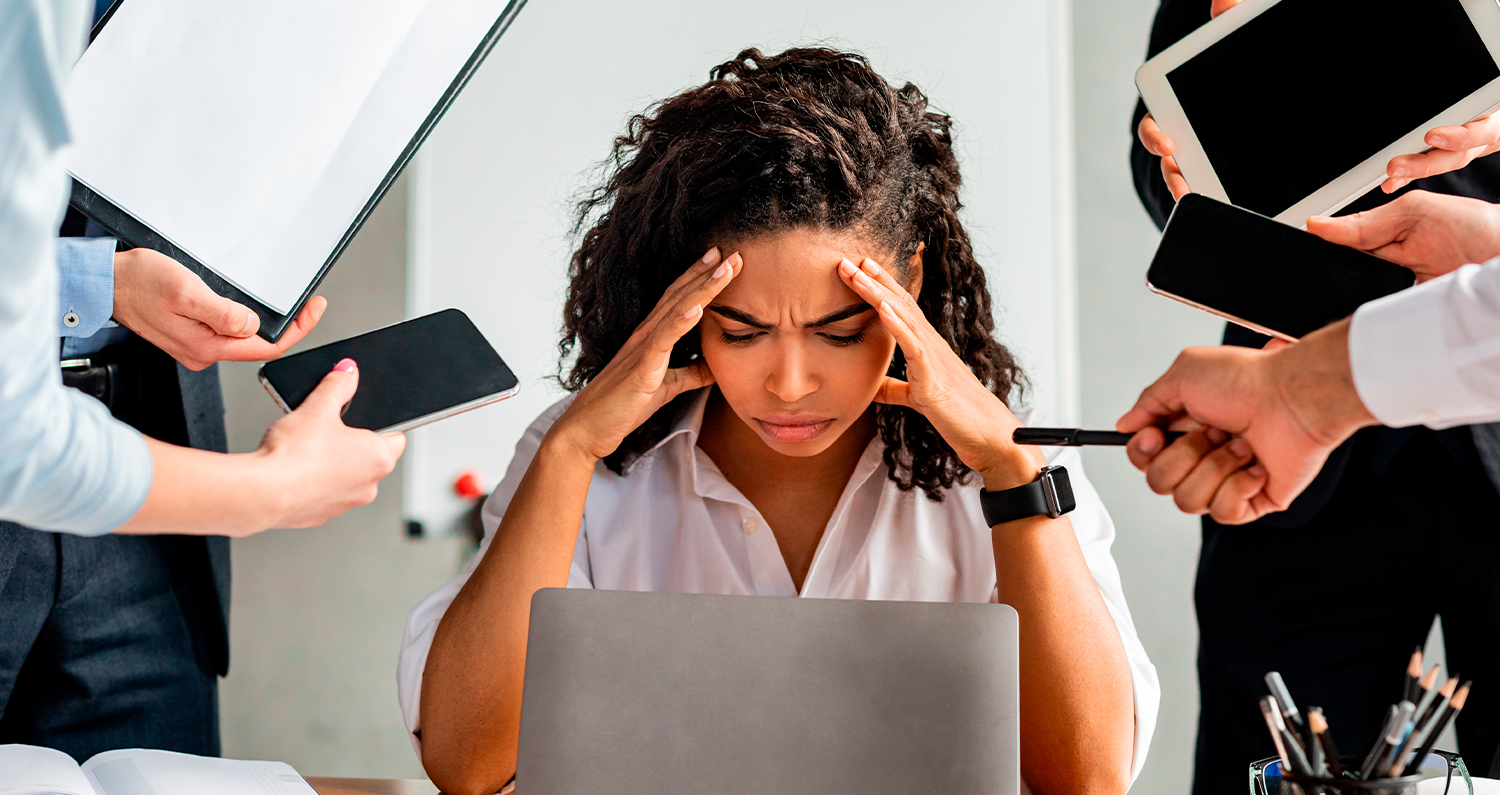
687, 309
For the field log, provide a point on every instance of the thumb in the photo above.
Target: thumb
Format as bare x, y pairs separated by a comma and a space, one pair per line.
1160, 401
224, 316
334, 391
1349, 230
894, 391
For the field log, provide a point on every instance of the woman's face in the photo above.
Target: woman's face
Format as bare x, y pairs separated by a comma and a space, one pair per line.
797, 355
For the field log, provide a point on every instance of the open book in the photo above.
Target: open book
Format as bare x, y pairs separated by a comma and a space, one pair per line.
29, 770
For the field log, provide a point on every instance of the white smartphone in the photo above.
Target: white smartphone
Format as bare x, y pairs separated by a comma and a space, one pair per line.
411, 373
1293, 108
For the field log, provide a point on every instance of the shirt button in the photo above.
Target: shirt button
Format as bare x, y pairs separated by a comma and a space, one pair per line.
70, 320
750, 525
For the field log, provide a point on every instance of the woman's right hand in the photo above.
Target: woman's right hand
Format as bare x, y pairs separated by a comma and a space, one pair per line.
638, 380
325, 466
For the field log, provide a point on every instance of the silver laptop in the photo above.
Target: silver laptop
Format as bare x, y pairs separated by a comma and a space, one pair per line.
631, 693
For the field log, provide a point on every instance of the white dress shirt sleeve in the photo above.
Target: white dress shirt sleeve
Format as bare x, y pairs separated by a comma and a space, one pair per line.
65, 464
1430, 355
422, 624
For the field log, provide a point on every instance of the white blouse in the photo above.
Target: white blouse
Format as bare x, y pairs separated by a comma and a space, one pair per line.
673, 523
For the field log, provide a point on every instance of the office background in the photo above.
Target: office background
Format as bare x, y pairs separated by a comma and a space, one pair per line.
1042, 92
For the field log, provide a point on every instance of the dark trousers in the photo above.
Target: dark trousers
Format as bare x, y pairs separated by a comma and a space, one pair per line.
1338, 603
96, 649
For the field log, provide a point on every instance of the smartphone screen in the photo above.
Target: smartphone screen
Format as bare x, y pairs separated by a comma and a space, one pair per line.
409, 374
1324, 70
1262, 273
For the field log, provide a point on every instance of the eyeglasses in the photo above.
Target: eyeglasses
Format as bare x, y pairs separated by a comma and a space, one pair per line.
1265, 779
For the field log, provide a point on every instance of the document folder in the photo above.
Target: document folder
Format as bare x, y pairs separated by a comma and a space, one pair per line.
250, 141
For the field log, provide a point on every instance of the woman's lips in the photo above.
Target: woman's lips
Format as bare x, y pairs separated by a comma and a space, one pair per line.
794, 429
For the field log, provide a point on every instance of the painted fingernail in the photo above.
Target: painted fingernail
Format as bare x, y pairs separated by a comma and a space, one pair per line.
1240, 448
712, 255
692, 313
346, 366
1437, 141
721, 271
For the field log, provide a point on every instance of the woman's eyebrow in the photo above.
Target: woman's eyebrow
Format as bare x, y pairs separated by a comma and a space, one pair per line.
754, 322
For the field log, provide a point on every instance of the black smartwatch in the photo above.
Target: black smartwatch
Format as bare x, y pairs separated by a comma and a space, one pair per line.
1051, 495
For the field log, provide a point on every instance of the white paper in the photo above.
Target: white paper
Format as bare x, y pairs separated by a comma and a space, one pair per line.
251, 135
29, 770
141, 772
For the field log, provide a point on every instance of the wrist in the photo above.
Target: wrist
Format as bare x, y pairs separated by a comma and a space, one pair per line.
271, 486
561, 447
1014, 467
1316, 384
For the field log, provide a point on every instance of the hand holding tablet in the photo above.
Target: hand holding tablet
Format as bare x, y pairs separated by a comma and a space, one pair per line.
1267, 68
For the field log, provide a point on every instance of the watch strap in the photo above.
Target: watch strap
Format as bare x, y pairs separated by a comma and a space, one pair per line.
1031, 499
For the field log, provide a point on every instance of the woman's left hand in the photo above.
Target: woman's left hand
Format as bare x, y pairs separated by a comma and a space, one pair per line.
974, 422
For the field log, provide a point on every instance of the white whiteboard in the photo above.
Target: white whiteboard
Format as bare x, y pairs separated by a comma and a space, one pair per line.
493, 189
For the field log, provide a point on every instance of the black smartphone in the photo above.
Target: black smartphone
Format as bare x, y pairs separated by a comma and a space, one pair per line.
410, 374
1262, 274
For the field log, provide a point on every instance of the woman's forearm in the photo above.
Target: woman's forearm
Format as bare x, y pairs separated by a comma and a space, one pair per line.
471, 688
1077, 699
196, 492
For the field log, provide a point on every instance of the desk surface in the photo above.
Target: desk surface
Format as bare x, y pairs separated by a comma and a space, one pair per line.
371, 786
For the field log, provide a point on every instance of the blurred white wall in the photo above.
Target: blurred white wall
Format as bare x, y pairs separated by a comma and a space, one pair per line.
1128, 338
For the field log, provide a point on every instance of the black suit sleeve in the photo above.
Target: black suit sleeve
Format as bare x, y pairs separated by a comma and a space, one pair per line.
1174, 20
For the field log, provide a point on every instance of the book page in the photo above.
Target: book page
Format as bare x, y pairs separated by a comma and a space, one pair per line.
142, 772
251, 135
29, 770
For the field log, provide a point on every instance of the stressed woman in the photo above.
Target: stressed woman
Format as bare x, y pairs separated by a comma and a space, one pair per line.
786, 383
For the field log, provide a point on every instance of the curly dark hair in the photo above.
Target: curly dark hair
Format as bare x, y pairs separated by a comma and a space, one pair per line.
812, 139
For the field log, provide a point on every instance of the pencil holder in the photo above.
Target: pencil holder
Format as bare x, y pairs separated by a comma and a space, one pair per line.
1267, 778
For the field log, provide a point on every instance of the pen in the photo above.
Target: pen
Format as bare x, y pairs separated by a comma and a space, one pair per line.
1395, 731
1288, 707
1272, 715
1077, 437
1385, 728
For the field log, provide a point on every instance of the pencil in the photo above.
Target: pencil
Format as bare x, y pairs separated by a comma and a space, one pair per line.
1413, 673
1437, 703
1318, 725
1454, 707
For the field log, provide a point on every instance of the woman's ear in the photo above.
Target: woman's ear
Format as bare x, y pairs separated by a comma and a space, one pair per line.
914, 271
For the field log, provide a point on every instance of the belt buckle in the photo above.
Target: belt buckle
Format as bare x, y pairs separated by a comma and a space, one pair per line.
80, 363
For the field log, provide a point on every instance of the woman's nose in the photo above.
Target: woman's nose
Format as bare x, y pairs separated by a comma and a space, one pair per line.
791, 379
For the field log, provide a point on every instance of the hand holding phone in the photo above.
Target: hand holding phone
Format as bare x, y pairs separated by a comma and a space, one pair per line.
1263, 274
415, 372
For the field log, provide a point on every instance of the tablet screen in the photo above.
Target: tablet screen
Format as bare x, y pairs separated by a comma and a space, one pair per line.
1309, 89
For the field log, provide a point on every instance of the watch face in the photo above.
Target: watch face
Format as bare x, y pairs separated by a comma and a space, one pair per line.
1064, 487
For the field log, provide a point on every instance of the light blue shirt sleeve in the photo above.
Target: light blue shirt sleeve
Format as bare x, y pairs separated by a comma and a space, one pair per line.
87, 295
65, 463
